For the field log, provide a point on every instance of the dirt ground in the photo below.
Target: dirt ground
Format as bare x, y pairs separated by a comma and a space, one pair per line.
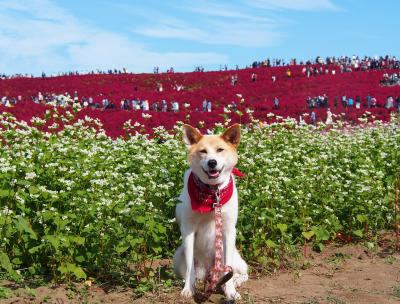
338, 275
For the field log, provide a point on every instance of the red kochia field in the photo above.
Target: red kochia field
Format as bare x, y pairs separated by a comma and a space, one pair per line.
215, 86
90, 218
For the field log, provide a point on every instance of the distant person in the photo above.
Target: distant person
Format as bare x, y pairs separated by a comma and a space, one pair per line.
209, 106
204, 105
313, 118
350, 102
234, 80
398, 103
145, 105
368, 98
329, 120
134, 104
276, 103
389, 102
374, 102
164, 106
155, 106
175, 106
301, 120
358, 102
344, 101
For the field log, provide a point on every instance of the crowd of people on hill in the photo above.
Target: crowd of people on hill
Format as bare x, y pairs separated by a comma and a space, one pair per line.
345, 63
69, 73
390, 80
319, 66
134, 104
144, 105
370, 101
320, 101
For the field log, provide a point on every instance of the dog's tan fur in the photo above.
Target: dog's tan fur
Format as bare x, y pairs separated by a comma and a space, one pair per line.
196, 255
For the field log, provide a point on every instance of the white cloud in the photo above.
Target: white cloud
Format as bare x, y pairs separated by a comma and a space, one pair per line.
219, 33
37, 35
215, 24
214, 8
106, 48
307, 5
249, 23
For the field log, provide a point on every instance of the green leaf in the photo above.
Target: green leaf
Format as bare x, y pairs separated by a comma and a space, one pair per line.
321, 233
22, 225
282, 227
80, 258
320, 247
35, 249
4, 192
72, 268
63, 269
76, 270
23, 182
33, 190
358, 233
308, 234
53, 240
5, 262
362, 218
121, 248
140, 219
16, 261
271, 244
78, 240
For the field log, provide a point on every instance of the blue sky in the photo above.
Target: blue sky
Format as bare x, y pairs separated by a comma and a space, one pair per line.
55, 36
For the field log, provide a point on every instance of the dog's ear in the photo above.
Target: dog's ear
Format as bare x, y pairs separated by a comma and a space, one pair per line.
232, 135
190, 135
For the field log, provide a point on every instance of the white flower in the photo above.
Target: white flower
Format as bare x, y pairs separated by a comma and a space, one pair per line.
7, 211
146, 116
30, 175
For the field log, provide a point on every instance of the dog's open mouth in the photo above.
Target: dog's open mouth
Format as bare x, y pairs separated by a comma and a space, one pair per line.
212, 173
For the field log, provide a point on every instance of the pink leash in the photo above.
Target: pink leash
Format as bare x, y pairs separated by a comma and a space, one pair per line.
219, 267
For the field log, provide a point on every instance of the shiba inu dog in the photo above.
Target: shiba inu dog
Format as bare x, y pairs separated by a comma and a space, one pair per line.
212, 160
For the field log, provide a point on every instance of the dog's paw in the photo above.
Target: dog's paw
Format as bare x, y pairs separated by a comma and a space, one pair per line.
232, 294
187, 292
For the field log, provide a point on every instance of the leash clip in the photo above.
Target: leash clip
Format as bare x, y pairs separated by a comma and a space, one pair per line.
218, 199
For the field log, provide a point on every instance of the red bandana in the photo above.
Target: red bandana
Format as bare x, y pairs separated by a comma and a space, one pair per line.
202, 196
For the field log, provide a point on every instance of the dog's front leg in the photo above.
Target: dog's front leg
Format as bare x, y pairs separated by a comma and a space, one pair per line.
190, 276
229, 248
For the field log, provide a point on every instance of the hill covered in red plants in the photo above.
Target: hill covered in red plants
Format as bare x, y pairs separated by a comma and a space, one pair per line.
215, 86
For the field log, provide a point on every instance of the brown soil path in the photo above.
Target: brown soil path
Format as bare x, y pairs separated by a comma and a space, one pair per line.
339, 275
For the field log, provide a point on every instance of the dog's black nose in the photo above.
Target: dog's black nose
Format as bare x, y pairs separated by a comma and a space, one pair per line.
212, 163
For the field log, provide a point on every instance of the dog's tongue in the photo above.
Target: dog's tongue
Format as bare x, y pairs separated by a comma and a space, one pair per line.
213, 173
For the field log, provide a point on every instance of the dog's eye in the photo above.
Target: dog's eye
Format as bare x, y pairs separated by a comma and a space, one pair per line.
204, 151
220, 150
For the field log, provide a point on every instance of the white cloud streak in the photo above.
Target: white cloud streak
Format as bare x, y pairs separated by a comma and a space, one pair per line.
37, 35
303, 5
214, 23
219, 33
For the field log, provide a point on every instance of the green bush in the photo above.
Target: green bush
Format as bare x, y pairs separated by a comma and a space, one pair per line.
76, 203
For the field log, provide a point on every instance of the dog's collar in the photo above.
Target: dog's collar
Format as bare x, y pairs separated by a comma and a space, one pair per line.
203, 196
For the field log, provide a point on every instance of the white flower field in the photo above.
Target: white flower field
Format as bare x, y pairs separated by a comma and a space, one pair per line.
76, 204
